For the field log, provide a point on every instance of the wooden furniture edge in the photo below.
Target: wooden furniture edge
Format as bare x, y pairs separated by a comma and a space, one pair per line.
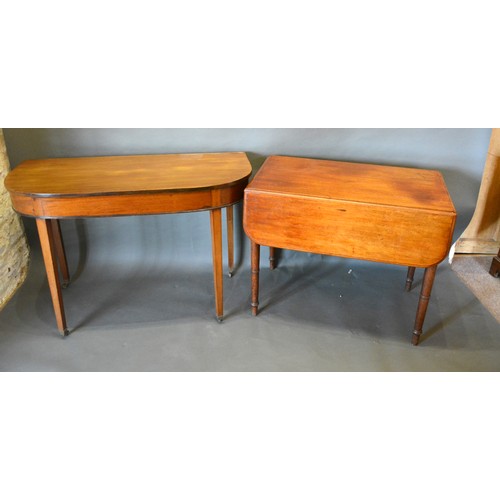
129, 192
435, 211
452, 216
60, 207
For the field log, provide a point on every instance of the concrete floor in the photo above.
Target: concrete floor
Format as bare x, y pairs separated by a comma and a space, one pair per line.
317, 314
474, 271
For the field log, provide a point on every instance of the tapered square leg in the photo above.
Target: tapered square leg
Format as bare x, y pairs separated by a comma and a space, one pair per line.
216, 228
60, 251
255, 256
46, 234
423, 302
230, 239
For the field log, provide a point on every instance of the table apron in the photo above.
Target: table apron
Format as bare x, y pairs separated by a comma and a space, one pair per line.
127, 204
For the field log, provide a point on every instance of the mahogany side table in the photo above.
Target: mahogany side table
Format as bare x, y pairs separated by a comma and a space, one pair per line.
394, 215
53, 189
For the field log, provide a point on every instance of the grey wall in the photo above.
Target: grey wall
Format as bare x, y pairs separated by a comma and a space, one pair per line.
178, 239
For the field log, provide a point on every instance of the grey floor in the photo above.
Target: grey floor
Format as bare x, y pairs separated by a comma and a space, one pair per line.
474, 271
317, 314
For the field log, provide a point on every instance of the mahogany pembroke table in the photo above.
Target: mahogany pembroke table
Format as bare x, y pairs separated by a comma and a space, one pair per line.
394, 215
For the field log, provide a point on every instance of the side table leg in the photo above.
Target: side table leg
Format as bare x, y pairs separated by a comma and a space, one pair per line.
216, 228
46, 234
425, 295
255, 252
61, 253
409, 278
230, 240
272, 258
495, 266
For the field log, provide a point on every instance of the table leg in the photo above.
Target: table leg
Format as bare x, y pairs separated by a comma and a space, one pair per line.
60, 252
255, 251
272, 258
46, 234
495, 266
230, 240
423, 302
409, 278
216, 228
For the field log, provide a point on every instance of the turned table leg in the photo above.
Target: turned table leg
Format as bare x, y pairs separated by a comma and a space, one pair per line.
272, 258
60, 252
46, 234
423, 302
216, 228
409, 278
230, 240
255, 251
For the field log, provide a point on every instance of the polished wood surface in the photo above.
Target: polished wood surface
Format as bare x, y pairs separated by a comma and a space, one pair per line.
272, 258
53, 189
230, 240
46, 235
423, 302
255, 268
60, 251
127, 185
355, 217
128, 204
127, 174
409, 279
394, 215
399, 187
216, 228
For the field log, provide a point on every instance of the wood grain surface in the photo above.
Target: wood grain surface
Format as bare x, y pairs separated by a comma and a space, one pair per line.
126, 185
394, 215
126, 174
358, 182
385, 214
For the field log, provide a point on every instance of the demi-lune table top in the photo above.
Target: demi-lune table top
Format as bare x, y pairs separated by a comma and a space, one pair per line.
126, 174
127, 185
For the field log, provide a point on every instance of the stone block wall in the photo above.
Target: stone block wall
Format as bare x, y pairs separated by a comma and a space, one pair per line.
14, 252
